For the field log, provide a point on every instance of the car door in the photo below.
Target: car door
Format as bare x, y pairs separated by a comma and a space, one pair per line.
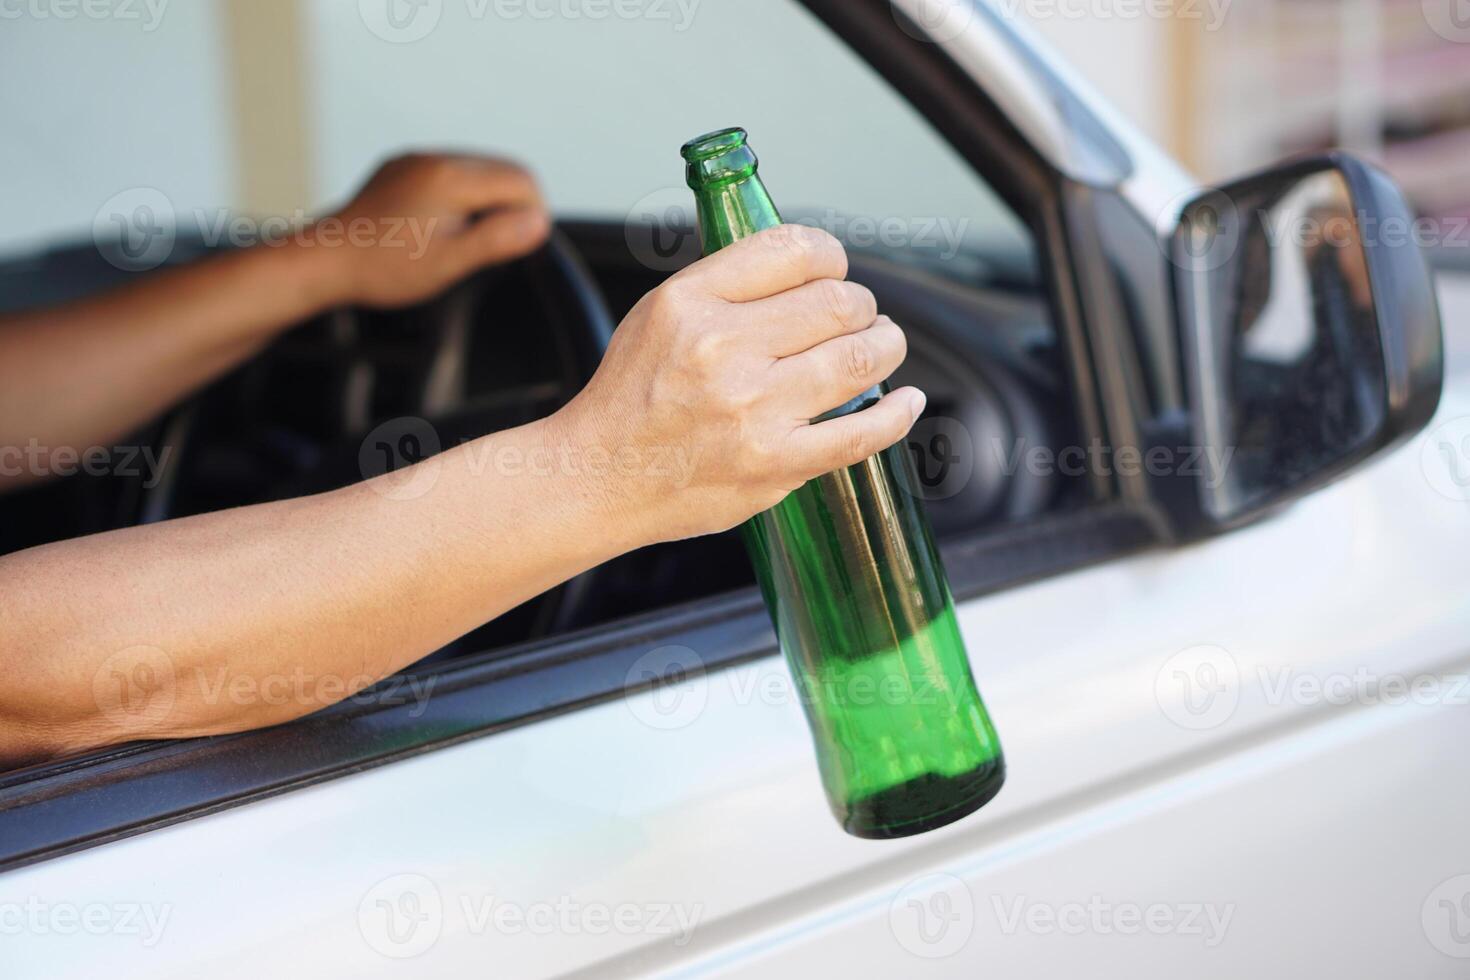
1214, 738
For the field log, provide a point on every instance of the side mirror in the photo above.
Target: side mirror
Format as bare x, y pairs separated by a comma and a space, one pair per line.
1311, 332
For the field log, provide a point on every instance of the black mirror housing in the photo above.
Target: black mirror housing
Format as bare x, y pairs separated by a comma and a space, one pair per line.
1311, 330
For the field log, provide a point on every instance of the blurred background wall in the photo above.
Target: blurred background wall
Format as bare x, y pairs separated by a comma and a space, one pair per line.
1228, 85
267, 106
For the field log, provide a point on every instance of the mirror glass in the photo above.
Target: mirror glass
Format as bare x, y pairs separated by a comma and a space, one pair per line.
1281, 326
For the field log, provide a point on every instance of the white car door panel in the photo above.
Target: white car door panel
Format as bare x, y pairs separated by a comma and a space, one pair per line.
1234, 723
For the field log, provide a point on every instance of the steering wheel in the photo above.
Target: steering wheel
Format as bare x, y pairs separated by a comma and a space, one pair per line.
372, 371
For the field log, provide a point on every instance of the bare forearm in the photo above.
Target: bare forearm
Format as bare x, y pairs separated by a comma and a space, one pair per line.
255, 616
80, 375
696, 420
77, 376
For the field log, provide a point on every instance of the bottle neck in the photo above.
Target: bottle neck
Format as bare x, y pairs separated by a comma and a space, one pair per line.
730, 210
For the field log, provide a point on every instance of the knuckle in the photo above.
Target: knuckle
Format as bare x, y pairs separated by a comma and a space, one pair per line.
788, 238
812, 239
441, 170
679, 287
666, 304
858, 361
740, 396
855, 446
390, 171
707, 350
678, 292
803, 246
760, 460
658, 304
900, 341
841, 301
514, 180
866, 303
827, 250
416, 164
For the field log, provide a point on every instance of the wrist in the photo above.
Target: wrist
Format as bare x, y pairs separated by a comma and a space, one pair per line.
255, 293
321, 271
593, 470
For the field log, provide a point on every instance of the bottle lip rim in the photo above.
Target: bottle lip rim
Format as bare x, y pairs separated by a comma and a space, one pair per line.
713, 144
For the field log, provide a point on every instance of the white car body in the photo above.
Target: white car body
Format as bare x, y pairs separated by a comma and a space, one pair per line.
1241, 757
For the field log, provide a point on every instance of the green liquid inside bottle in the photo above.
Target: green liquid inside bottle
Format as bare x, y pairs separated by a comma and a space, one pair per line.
855, 588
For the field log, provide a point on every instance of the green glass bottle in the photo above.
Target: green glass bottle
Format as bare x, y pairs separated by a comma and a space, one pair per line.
859, 599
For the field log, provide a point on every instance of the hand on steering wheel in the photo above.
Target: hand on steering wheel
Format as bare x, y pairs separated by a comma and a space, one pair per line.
425, 222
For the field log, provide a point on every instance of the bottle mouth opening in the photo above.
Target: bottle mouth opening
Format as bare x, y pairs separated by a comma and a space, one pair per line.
714, 144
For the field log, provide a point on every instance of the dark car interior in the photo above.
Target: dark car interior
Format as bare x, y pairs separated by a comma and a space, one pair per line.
514, 344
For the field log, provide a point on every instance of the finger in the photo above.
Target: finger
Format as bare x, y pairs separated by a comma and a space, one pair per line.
849, 440
484, 183
801, 318
838, 370
769, 263
501, 236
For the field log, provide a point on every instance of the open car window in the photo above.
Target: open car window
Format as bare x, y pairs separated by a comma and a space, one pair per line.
598, 105
286, 112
